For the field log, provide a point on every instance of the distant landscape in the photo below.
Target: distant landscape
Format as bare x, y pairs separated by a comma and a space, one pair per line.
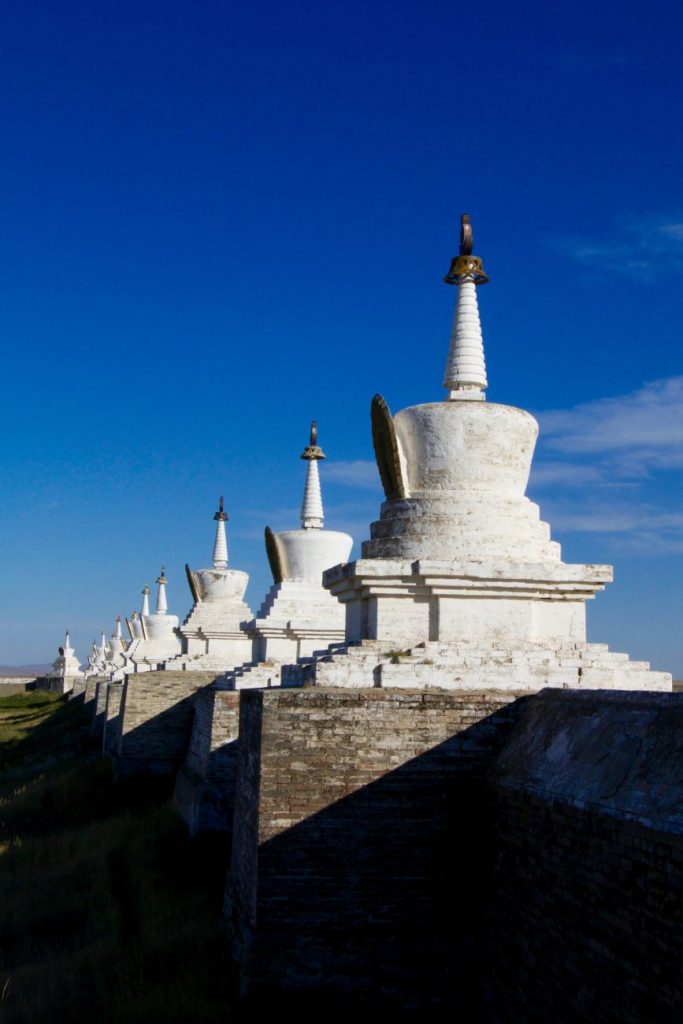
19, 671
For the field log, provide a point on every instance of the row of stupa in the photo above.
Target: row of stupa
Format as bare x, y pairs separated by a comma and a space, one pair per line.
220, 632
459, 585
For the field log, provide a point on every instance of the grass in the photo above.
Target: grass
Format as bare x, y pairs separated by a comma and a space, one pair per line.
108, 910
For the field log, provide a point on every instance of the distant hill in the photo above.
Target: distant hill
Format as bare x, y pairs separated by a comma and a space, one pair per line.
17, 671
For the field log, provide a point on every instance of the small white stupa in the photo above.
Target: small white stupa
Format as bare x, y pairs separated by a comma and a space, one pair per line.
298, 615
115, 657
97, 661
460, 585
157, 633
66, 670
212, 634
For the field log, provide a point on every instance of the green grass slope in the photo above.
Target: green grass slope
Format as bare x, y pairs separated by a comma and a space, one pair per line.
108, 911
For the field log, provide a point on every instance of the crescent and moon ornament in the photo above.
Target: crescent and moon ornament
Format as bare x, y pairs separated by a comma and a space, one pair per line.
385, 444
465, 264
193, 585
273, 553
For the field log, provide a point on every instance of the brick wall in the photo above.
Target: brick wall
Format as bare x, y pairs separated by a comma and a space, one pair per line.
110, 736
354, 812
586, 907
205, 785
155, 720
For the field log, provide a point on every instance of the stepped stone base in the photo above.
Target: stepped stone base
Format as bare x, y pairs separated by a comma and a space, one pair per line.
264, 674
296, 618
462, 666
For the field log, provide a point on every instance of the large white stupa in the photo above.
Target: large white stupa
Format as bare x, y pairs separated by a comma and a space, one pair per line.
298, 616
460, 584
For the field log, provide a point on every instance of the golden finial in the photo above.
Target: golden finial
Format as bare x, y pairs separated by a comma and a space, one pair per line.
312, 450
465, 264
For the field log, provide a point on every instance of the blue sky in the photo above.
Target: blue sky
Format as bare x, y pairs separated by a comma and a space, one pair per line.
221, 220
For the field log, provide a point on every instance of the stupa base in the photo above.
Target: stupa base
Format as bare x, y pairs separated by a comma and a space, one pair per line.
438, 665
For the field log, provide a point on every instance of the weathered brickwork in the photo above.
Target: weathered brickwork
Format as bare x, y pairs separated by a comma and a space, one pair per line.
354, 809
99, 711
205, 785
155, 720
110, 733
586, 909
460, 855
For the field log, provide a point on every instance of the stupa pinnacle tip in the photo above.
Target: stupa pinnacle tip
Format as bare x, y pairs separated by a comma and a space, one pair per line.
465, 265
312, 449
221, 515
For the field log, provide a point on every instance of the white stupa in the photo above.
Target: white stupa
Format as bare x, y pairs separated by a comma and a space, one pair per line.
97, 660
212, 634
157, 633
66, 670
460, 585
298, 616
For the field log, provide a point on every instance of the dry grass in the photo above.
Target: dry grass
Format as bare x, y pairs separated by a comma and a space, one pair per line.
108, 911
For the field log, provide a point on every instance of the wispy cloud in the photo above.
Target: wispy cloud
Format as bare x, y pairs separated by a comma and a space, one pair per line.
595, 463
359, 473
633, 434
642, 249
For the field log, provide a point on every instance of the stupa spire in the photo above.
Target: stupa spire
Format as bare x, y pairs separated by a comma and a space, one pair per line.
117, 629
162, 603
220, 544
465, 376
145, 600
312, 515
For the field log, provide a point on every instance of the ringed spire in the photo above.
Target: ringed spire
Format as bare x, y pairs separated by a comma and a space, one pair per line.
465, 376
312, 515
220, 544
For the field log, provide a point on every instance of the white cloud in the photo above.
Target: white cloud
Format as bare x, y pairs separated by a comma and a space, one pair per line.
597, 461
637, 431
359, 473
644, 248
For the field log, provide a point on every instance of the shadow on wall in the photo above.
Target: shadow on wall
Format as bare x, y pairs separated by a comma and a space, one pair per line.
205, 798
378, 899
528, 868
154, 727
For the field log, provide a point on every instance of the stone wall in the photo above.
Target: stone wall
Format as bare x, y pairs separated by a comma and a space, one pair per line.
586, 906
99, 711
205, 785
469, 855
110, 734
155, 720
354, 811
16, 684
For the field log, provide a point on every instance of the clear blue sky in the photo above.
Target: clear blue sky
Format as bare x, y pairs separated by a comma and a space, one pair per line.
221, 220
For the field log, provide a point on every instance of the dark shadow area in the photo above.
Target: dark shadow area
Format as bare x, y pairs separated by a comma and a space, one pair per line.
205, 798
158, 745
379, 900
443, 890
